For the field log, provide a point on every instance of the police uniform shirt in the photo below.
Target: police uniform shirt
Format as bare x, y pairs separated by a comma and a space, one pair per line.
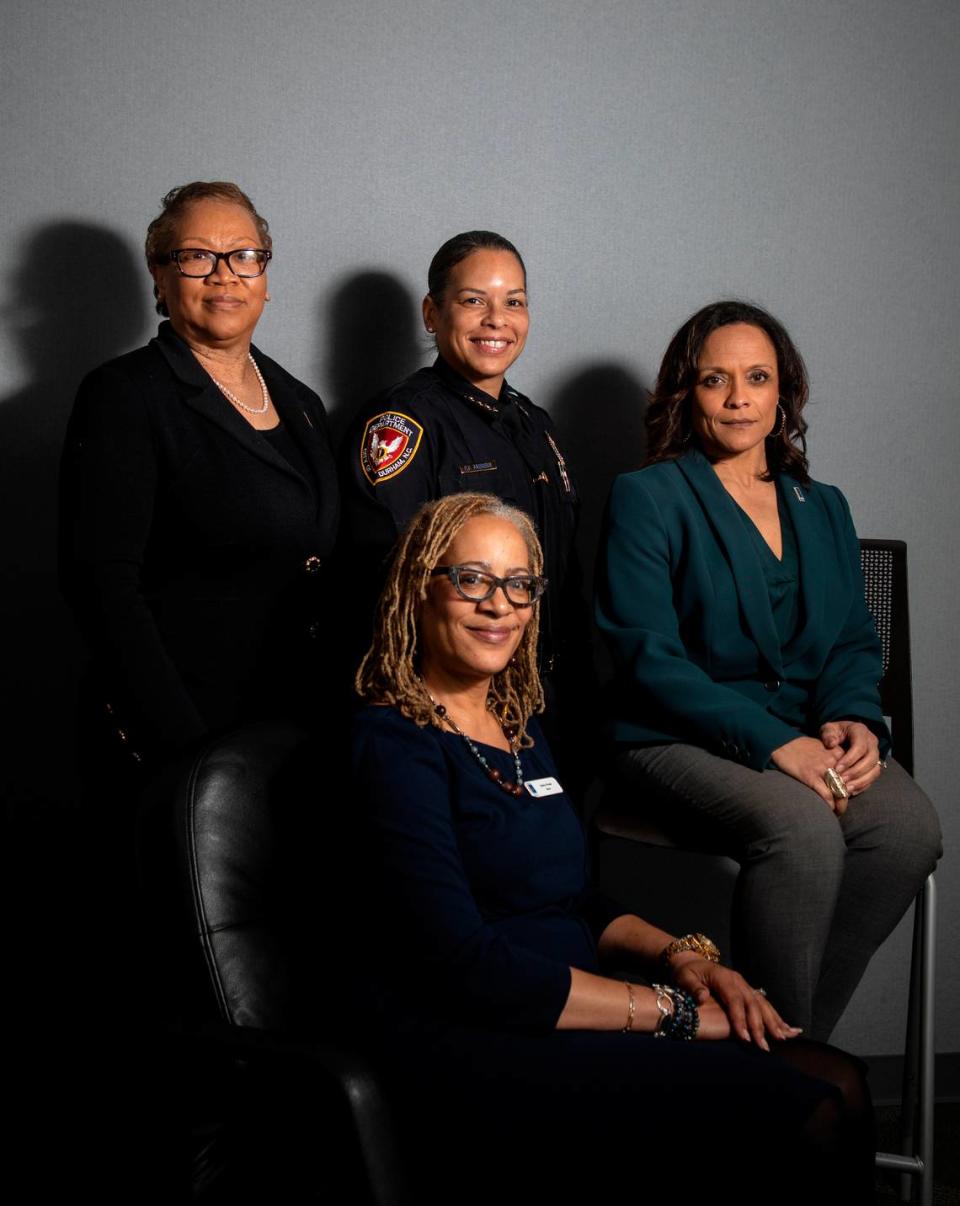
435, 434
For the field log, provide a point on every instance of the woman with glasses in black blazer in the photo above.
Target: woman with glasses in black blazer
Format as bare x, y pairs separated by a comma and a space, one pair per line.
199, 504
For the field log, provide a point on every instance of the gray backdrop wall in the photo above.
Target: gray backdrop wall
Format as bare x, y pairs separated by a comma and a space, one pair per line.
646, 157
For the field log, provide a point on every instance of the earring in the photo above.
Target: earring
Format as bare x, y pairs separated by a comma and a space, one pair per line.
783, 422
266, 297
431, 330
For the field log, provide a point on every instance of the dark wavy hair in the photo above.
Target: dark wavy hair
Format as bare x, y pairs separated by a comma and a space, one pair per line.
457, 249
669, 419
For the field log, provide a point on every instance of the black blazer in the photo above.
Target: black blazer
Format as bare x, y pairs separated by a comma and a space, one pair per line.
190, 547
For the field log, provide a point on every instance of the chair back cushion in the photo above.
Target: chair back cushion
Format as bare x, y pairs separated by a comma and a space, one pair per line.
241, 813
884, 565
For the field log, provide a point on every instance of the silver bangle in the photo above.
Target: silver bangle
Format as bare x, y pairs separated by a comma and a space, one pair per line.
663, 995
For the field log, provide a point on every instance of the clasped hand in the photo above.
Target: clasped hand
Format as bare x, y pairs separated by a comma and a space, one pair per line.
846, 746
728, 1005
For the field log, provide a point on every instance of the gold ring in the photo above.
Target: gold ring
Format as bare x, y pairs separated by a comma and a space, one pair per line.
837, 786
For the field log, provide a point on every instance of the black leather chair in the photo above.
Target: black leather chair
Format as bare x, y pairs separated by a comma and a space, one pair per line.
884, 564
241, 882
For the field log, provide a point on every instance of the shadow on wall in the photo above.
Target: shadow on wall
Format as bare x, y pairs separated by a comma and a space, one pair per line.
373, 339
75, 299
599, 416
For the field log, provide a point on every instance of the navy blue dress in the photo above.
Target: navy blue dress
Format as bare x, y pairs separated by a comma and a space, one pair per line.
481, 905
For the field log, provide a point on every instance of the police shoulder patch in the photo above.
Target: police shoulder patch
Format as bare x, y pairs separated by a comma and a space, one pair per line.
390, 442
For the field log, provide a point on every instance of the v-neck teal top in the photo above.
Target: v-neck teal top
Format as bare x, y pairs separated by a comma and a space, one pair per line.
782, 577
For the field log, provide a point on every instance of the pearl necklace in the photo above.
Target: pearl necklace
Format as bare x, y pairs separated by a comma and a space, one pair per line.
251, 410
494, 775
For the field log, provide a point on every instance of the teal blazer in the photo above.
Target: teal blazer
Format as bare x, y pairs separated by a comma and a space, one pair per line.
683, 603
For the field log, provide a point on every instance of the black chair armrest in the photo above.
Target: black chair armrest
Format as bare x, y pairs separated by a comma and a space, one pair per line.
299, 1056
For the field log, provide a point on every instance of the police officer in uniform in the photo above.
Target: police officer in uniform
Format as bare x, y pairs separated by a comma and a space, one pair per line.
458, 426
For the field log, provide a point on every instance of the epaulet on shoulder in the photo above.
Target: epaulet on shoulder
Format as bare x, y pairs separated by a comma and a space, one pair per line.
409, 392
523, 400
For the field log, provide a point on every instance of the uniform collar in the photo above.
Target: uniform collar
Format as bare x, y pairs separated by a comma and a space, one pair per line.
482, 400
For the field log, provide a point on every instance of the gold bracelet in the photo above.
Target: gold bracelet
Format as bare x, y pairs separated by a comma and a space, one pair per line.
699, 943
631, 1009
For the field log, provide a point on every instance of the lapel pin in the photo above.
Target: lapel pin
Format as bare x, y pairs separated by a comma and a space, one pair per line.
799, 494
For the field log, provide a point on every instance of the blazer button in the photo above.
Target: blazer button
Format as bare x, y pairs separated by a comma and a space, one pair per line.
312, 564
772, 684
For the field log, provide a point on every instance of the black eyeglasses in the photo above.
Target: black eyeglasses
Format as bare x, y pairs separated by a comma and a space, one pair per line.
477, 585
198, 261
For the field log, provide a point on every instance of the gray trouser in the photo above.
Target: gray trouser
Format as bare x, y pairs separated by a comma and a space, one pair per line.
816, 894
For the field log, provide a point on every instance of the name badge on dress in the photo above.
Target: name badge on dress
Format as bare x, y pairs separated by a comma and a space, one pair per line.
543, 787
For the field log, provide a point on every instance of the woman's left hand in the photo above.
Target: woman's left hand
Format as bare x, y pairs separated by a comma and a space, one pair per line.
860, 765
751, 1015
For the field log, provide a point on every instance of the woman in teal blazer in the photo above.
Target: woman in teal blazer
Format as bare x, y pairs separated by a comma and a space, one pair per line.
746, 699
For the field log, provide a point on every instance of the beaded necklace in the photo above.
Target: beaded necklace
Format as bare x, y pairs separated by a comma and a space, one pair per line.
494, 775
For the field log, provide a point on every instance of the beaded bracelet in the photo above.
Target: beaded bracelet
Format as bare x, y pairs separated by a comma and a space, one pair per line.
684, 1021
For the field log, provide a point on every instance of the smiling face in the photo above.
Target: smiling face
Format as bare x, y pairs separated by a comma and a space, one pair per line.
735, 396
220, 310
482, 319
460, 641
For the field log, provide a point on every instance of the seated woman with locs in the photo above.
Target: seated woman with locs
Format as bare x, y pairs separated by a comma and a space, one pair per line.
503, 1043
746, 703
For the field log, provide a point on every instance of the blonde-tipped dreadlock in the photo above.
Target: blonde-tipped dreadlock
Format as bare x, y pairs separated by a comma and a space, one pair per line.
388, 672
